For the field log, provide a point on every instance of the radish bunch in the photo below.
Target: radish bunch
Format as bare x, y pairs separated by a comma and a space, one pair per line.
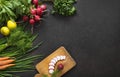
36, 12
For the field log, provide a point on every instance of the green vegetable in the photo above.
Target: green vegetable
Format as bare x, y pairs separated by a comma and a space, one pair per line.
18, 45
12, 9
22, 65
19, 39
63, 7
3, 46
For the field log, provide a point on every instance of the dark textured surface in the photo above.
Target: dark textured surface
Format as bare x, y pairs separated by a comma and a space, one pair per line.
92, 37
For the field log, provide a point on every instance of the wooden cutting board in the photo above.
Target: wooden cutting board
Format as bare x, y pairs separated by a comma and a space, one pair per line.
68, 63
38, 75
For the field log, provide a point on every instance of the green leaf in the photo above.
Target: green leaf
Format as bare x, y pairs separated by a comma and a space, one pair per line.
29, 1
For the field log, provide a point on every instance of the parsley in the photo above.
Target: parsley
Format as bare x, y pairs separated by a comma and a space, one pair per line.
64, 7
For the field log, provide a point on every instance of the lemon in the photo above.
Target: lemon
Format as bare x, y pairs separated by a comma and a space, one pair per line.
11, 24
5, 31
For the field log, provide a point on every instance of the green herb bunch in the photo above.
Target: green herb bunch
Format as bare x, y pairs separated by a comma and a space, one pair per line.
17, 39
18, 45
64, 7
12, 9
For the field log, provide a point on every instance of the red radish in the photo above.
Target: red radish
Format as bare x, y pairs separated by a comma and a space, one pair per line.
60, 66
39, 11
32, 21
33, 11
35, 2
37, 18
25, 18
43, 6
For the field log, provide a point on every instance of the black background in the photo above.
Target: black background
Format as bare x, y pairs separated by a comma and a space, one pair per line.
92, 37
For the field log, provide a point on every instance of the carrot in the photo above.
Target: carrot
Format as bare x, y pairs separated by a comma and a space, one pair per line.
6, 62
6, 66
4, 58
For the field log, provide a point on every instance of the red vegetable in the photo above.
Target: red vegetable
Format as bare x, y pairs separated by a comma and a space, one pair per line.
37, 18
43, 6
60, 66
32, 21
39, 11
33, 11
25, 18
35, 2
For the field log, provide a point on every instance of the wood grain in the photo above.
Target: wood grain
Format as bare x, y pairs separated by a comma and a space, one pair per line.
68, 63
38, 75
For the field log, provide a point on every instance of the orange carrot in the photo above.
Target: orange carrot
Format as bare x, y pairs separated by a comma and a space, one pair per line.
6, 66
6, 62
4, 58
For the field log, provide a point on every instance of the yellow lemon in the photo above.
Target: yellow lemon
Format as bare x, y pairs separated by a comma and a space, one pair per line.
5, 31
11, 24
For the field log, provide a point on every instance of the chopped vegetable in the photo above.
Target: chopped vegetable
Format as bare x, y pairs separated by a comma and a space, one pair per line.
57, 71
